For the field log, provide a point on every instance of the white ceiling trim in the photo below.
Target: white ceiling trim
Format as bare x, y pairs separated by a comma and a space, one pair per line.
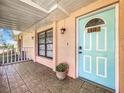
53, 8
62, 9
29, 2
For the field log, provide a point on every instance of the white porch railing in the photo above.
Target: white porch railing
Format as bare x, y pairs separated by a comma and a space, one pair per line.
14, 55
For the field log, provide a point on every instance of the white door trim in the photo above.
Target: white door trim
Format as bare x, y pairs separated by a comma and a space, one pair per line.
116, 6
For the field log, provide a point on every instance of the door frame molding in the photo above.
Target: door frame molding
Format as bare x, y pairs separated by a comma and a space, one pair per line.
116, 6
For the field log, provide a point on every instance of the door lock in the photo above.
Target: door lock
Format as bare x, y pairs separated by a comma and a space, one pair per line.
80, 47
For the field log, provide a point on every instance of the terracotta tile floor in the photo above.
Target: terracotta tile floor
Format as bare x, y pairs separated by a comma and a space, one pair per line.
32, 77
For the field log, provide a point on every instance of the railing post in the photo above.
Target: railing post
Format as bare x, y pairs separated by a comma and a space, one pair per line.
7, 56
3, 57
11, 55
24, 54
21, 54
27, 53
18, 55
15, 54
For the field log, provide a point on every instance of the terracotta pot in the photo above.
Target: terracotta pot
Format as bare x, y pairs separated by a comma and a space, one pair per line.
61, 75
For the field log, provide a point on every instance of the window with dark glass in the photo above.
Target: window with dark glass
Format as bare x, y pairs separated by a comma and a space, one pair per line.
45, 43
95, 22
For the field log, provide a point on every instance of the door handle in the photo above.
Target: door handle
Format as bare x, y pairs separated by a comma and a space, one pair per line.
80, 52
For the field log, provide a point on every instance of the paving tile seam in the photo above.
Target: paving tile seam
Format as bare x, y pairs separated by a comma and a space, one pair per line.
22, 80
8, 80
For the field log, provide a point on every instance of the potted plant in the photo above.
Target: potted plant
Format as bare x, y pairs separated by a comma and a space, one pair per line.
61, 71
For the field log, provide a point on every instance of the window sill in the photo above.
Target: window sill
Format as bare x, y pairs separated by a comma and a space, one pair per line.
49, 58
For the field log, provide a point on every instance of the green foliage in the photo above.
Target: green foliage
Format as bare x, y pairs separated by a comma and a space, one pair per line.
62, 67
9, 46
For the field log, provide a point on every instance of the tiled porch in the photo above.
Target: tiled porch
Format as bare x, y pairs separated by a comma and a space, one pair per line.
32, 77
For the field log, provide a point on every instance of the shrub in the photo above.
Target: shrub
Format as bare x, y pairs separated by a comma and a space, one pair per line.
62, 67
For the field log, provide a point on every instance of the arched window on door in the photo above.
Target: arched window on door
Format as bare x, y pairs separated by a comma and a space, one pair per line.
94, 25
95, 22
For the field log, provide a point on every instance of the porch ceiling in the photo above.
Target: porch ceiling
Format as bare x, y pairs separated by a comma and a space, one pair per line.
21, 14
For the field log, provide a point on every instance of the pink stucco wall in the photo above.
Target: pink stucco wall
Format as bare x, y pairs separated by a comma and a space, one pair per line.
66, 44
64, 47
45, 61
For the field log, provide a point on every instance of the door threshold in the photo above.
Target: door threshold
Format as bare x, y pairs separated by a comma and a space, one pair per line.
99, 85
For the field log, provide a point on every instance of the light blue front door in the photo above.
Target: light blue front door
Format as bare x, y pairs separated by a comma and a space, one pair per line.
97, 48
